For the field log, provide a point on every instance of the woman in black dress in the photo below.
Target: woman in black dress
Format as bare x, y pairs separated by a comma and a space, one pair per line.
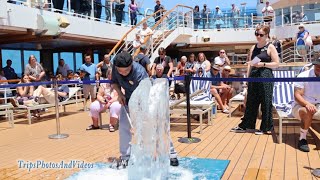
260, 92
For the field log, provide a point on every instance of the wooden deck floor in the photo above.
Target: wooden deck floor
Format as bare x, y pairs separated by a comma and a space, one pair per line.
251, 156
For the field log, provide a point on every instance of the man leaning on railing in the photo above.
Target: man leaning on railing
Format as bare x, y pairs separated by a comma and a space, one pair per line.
267, 12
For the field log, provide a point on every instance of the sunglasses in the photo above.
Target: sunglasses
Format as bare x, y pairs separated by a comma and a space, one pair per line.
257, 34
300, 27
227, 70
161, 54
221, 52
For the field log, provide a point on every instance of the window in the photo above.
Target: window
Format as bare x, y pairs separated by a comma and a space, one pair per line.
68, 59
55, 61
15, 56
95, 58
79, 61
27, 54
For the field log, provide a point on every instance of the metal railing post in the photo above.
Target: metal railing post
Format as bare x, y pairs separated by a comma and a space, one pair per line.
282, 17
183, 20
69, 6
291, 15
58, 135
129, 15
92, 9
126, 42
192, 21
294, 51
177, 19
111, 10
252, 20
274, 19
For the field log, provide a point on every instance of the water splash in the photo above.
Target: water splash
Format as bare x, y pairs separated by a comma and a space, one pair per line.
149, 112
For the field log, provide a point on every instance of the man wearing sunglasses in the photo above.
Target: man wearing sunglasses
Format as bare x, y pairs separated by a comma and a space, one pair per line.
222, 59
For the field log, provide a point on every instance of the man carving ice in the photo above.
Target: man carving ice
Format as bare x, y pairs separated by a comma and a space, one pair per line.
127, 74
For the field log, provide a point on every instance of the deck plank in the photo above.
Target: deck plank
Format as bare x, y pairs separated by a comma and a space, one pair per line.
255, 161
265, 168
302, 158
291, 154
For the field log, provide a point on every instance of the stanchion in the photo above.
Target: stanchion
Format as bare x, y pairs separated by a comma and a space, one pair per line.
58, 135
189, 139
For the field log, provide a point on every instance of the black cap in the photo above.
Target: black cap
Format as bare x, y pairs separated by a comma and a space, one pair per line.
123, 59
316, 62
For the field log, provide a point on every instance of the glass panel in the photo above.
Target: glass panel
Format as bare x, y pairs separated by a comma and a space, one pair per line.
27, 54
95, 58
15, 56
55, 61
296, 14
79, 61
311, 12
278, 17
286, 16
68, 59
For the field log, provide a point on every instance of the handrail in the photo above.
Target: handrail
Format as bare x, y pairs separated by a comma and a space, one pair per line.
126, 34
10, 80
158, 23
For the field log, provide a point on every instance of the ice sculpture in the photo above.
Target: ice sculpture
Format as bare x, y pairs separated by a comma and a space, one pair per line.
149, 112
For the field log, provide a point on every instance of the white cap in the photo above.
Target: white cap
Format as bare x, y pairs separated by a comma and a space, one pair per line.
227, 68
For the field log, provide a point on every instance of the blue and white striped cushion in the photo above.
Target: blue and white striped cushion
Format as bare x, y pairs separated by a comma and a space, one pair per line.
283, 92
196, 85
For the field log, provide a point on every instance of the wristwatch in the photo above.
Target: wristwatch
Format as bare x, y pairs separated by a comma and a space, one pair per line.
264, 64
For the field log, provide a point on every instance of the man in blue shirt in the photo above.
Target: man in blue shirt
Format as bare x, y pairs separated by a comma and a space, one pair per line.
127, 74
90, 74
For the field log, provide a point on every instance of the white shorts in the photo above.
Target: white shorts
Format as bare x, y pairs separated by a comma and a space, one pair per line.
295, 112
88, 88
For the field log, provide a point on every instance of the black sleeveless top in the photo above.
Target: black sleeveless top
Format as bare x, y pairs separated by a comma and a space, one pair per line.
261, 53
104, 69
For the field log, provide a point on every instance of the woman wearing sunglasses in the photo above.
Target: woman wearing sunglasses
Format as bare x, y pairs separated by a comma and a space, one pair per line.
264, 58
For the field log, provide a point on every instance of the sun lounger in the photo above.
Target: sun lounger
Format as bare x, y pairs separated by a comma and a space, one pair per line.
72, 94
200, 104
196, 108
283, 96
6, 109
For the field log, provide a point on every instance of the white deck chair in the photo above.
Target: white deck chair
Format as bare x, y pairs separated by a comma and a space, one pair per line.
200, 104
72, 94
283, 96
6, 109
239, 97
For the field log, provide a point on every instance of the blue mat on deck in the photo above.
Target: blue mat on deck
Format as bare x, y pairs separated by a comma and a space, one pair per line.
201, 169
204, 168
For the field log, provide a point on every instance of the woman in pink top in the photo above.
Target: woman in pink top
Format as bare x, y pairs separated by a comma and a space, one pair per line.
133, 8
107, 98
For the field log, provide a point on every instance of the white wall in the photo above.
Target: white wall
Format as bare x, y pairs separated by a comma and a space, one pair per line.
291, 31
24, 17
224, 36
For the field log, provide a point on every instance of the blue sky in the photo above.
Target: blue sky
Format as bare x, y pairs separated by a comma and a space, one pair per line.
210, 3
